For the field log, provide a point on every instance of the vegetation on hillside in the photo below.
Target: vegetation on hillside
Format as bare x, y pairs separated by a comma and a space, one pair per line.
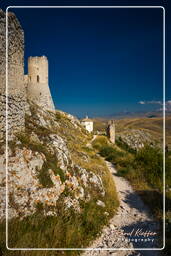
153, 126
69, 229
144, 169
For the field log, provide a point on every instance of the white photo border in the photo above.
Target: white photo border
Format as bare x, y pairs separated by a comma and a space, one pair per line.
6, 151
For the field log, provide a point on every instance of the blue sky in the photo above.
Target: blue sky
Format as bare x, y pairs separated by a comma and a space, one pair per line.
101, 61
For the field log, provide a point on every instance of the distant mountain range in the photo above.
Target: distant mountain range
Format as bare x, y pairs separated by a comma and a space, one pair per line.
127, 114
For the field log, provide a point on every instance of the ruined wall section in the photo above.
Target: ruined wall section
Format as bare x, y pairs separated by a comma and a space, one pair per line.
38, 88
111, 131
2, 50
16, 89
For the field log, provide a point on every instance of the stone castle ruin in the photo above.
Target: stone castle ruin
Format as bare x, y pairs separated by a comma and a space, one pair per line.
20, 88
36, 82
111, 131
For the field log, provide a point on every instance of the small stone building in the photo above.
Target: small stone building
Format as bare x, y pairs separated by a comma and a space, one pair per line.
87, 123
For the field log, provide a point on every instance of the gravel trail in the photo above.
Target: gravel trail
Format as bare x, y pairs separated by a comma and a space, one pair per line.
126, 227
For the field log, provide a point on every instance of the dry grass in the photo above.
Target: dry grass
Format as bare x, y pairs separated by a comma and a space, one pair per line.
152, 125
69, 229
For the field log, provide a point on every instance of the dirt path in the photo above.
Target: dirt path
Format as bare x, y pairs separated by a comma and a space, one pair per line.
132, 218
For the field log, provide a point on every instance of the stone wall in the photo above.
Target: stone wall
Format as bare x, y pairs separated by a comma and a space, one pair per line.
38, 89
15, 83
33, 87
111, 131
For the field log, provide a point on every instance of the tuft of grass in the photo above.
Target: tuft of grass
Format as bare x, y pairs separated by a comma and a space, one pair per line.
44, 177
100, 141
58, 116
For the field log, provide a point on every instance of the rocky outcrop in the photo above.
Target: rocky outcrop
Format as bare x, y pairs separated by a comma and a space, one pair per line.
41, 168
135, 139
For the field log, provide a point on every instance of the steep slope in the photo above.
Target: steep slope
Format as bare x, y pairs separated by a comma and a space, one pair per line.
57, 186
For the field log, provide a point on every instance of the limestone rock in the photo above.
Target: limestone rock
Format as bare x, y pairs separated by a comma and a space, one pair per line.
135, 139
41, 169
100, 203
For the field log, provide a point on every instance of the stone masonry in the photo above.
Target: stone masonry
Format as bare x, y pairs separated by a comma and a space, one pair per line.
16, 92
111, 131
37, 82
20, 88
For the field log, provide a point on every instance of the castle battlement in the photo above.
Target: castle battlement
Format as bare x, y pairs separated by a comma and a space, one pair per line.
38, 70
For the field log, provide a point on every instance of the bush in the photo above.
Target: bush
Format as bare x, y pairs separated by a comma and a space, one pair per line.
122, 172
150, 161
168, 171
58, 116
120, 143
107, 151
44, 177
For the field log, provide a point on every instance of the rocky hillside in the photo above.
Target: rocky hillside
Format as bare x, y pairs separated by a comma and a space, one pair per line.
135, 139
53, 173
139, 131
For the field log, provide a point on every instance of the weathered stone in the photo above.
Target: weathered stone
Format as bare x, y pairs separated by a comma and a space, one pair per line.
37, 82
16, 97
136, 139
25, 190
17, 89
111, 131
100, 203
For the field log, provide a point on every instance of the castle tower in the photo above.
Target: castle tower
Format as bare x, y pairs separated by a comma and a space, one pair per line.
37, 82
111, 131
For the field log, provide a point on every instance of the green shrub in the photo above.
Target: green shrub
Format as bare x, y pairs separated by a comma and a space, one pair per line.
58, 116
107, 151
122, 172
150, 161
168, 171
120, 143
44, 176
60, 172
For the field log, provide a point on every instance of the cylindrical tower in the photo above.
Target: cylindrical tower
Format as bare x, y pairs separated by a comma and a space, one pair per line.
38, 70
38, 89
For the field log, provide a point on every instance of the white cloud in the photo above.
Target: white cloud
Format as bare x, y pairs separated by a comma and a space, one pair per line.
168, 102
158, 102
141, 102
155, 102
